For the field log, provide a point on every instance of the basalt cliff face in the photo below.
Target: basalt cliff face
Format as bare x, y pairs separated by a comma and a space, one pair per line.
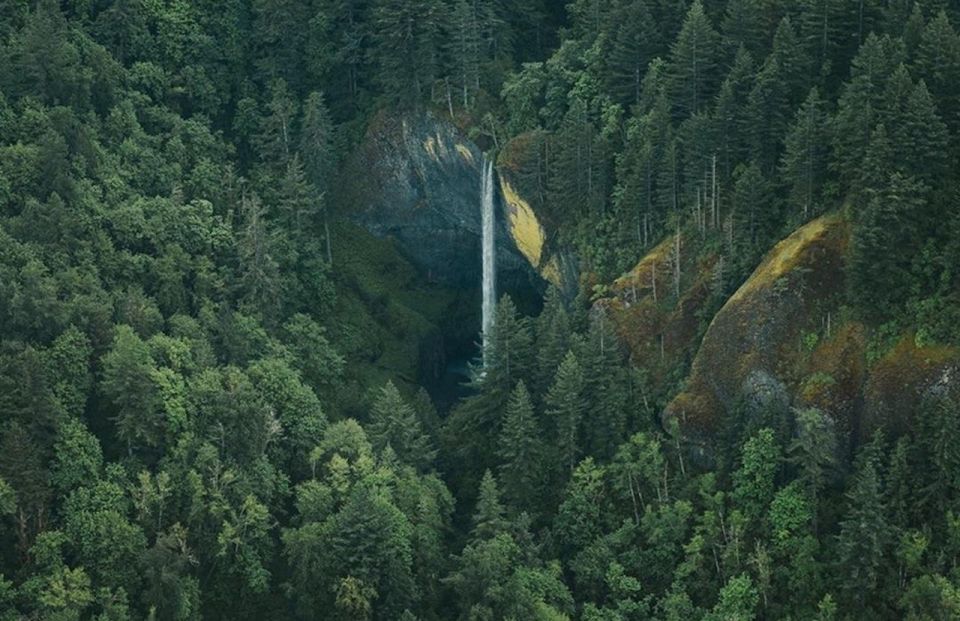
417, 180
784, 340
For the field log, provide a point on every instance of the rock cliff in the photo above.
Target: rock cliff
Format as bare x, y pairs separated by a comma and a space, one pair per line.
417, 180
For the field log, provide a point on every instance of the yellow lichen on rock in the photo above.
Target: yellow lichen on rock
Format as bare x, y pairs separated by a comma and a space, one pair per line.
551, 272
641, 277
430, 146
786, 255
465, 152
524, 226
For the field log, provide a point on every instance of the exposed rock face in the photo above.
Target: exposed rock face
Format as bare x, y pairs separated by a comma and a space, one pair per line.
748, 350
523, 193
780, 341
417, 180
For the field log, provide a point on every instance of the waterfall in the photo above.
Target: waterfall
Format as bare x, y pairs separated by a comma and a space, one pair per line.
489, 251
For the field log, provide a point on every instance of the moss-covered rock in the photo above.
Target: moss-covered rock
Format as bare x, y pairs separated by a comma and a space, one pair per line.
759, 331
901, 379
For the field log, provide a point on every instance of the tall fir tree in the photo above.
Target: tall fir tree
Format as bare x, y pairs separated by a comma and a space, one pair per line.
406, 48
693, 63
863, 539
565, 409
394, 423
803, 167
938, 62
521, 452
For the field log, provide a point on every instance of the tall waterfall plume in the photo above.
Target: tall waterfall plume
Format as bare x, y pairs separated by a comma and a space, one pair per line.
489, 252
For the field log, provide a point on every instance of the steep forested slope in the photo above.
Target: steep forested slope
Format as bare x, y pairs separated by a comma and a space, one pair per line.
738, 400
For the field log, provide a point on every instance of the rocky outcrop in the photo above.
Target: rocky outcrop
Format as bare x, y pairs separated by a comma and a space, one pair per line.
783, 341
747, 349
417, 180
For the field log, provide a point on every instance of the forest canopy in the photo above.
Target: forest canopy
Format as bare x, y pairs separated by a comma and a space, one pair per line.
196, 420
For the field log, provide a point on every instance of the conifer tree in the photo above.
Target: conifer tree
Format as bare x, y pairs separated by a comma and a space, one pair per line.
861, 103
634, 43
489, 514
863, 538
731, 114
813, 452
779, 86
693, 58
923, 143
553, 338
394, 423
803, 167
938, 61
520, 451
744, 27
939, 435
604, 381
754, 218
565, 410
406, 48
880, 279
276, 138
317, 141
466, 48
820, 23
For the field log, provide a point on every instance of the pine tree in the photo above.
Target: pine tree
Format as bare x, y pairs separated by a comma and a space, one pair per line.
130, 386
803, 167
260, 278
466, 48
779, 86
489, 514
940, 471
633, 45
792, 60
578, 164
813, 453
520, 451
394, 423
938, 61
744, 26
406, 48
884, 235
731, 115
861, 103
279, 38
693, 57
606, 384
553, 338
754, 218
276, 136
297, 199
637, 194
899, 494
923, 143
317, 141
565, 410
821, 23
863, 538
337, 51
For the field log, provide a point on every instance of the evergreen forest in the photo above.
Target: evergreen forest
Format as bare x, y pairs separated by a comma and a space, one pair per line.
729, 389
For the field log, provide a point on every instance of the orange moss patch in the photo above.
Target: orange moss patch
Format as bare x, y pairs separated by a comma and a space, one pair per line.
653, 268
899, 381
835, 375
